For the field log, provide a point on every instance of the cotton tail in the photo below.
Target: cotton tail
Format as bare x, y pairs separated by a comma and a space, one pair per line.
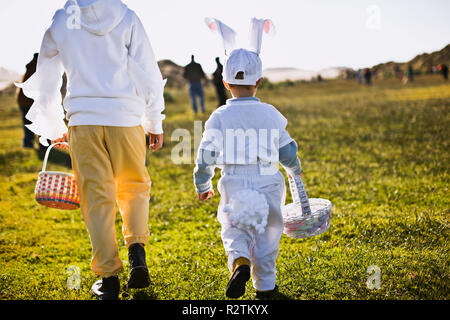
248, 210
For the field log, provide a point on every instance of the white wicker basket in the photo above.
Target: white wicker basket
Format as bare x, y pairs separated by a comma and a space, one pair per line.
305, 217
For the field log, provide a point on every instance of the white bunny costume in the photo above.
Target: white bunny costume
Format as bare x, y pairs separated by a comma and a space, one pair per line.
244, 138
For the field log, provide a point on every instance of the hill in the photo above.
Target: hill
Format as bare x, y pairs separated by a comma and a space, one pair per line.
172, 72
422, 63
7, 77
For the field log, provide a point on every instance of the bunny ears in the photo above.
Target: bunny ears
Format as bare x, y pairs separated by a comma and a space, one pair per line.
256, 33
258, 27
228, 35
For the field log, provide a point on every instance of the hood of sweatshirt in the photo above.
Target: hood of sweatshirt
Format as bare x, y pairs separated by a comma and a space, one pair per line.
99, 16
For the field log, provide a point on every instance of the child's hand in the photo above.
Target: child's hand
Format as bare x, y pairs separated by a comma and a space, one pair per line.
63, 139
156, 141
205, 196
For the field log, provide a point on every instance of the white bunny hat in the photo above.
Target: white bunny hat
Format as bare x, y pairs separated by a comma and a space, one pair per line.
242, 60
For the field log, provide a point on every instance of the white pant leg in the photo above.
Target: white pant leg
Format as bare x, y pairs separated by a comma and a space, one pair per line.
265, 250
237, 242
262, 249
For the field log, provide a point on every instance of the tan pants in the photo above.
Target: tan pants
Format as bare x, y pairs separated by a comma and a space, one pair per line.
109, 164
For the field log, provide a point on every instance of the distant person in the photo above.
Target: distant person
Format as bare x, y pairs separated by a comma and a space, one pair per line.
435, 69
194, 74
410, 73
218, 83
359, 76
25, 103
398, 72
444, 70
368, 76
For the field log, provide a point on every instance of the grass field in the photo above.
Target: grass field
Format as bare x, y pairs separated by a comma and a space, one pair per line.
380, 154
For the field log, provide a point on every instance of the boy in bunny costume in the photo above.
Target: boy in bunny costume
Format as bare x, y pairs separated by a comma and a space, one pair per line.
114, 97
247, 139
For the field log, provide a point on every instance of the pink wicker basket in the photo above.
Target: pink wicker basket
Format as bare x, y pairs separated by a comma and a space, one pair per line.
56, 189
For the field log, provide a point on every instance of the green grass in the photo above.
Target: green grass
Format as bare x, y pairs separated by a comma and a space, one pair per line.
380, 154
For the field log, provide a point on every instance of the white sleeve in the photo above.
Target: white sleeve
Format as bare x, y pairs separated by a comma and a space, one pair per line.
44, 87
146, 76
285, 138
212, 136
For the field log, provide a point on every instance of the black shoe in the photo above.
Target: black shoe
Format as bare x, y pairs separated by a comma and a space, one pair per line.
106, 288
236, 285
139, 277
266, 295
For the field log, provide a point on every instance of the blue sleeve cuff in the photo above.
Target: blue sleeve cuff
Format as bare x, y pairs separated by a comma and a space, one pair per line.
203, 188
204, 170
289, 159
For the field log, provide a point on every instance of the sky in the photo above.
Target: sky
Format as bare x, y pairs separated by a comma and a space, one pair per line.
311, 34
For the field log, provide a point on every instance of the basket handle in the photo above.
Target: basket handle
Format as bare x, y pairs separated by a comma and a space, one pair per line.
298, 193
47, 153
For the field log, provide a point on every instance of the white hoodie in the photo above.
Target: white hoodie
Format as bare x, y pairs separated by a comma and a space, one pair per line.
113, 75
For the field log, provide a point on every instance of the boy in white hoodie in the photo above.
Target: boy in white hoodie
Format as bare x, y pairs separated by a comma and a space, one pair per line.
247, 139
114, 97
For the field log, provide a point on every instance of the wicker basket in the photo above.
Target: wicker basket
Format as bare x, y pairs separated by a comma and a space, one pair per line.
56, 189
305, 217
